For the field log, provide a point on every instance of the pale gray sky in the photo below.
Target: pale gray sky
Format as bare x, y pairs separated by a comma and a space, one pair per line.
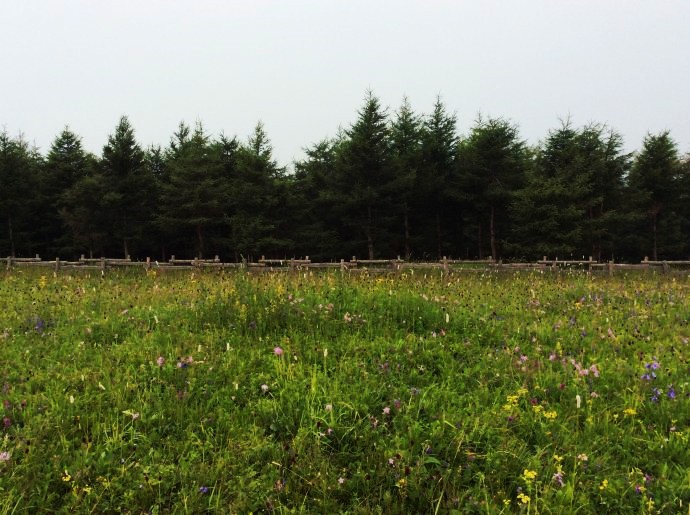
303, 67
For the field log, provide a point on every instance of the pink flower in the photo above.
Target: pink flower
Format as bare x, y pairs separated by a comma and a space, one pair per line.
5, 456
278, 351
386, 411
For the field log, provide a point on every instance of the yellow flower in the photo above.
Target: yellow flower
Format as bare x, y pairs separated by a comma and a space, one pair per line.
551, 415
630, 412
66, 477
529, 475
524, 499
538, 408
557, 458
506, 502
604, 484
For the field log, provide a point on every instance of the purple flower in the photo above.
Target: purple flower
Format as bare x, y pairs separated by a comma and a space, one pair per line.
203, 490
558, 478
7, 422
5, 456
671, 393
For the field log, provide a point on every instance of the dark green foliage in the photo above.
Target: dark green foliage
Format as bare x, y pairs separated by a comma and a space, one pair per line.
363, 178
432, 197
401, 185
194, 191
654, 192
128, 187
19, 196
66, 164
491, 163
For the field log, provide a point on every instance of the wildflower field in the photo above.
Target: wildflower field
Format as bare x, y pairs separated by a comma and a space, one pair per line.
232, 393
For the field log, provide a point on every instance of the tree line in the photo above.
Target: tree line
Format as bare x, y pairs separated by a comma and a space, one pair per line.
392, 184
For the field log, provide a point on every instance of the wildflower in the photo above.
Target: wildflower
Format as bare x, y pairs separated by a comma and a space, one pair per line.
397, 404
6, 422
203, 490
640, 489
329, 407
630, 412
604, 484
524, 499
386, 411
66, 477
341, 480
595, 370
160, 361
578, 401
582, 457
264, 387
558, 478
529, 475
671, 394
278, 351
550, 415
391, 462
5, 456
135, 415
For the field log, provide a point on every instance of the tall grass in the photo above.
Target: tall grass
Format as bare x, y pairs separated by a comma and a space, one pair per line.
322, 392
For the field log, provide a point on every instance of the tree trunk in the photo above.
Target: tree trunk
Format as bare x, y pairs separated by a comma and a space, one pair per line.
492, 233
654, 256
199, 241
11, 234
479, 241
370, 238
438, 233
408, 252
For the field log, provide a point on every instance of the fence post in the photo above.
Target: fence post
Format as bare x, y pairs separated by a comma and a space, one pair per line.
646, 262
590, 263
610, 267
444, 262
102, 264
9, 262
667, 268
57, 264
148, 263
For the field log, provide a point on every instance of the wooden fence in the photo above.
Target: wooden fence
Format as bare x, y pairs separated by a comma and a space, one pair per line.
354, 264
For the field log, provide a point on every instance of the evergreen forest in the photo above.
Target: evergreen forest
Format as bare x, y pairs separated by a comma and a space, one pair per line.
393, 183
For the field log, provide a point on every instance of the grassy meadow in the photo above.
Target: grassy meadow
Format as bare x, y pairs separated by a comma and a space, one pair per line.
465, 392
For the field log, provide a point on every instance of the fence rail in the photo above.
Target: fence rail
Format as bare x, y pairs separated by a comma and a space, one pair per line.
353, 264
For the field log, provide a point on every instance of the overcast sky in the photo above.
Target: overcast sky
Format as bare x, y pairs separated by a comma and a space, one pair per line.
303, 67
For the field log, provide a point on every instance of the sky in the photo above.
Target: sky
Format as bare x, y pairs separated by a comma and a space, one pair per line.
303, 67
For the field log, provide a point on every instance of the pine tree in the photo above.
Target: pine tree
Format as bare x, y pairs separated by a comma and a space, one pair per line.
492, 162
66, 164
439, 147
654, 184
406, 158
128, 186
19, 195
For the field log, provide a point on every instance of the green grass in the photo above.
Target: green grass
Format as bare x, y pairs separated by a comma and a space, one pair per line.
424, 393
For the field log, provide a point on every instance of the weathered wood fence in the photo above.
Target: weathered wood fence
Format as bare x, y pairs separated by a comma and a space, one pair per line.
353, 264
